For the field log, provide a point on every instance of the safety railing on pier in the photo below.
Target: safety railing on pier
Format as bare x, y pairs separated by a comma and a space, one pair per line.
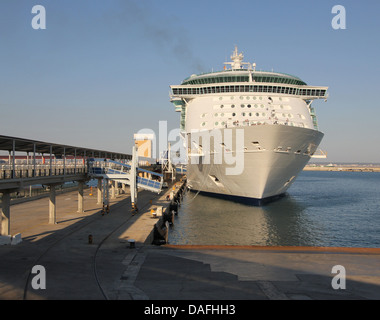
31, 171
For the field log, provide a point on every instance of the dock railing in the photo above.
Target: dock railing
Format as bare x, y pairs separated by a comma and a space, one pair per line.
41, 170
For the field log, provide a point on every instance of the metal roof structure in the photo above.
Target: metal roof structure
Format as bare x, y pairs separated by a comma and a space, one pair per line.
14, 144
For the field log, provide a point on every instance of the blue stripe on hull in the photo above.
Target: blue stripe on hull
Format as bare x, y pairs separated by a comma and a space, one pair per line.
239, 199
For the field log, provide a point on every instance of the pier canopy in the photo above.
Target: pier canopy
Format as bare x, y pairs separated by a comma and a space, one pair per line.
14, 144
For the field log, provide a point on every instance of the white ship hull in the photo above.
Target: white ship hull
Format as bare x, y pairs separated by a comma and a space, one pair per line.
263, 126
273, 157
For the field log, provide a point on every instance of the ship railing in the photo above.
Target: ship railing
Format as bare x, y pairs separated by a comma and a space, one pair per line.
249, 123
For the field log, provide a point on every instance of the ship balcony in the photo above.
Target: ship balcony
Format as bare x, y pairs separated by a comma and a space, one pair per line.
246, 123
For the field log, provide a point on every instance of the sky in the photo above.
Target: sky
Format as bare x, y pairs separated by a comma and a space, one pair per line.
101, 69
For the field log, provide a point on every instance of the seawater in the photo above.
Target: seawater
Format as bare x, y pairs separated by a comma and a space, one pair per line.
321, 208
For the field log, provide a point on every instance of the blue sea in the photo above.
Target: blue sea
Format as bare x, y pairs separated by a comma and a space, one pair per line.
321, 208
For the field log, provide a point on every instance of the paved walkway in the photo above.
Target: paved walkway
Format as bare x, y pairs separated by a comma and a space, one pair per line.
109, 269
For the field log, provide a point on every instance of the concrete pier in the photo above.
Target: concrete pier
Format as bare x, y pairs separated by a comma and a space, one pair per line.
164, 272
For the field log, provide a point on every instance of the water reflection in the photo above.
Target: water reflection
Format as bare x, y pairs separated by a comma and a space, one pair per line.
204, 220
321, 209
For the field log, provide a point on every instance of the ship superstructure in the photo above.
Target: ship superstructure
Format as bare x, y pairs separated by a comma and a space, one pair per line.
260, 126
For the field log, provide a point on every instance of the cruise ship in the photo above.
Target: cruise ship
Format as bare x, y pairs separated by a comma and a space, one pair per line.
248, 133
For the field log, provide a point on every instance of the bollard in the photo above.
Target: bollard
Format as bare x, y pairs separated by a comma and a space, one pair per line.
131, 243
90, 239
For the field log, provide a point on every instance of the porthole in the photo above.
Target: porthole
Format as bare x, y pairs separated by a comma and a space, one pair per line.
232, 106
233, 114
216, 123
221, 106
249, 106
242, 105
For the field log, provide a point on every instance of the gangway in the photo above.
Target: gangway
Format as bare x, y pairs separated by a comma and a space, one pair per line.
127, 173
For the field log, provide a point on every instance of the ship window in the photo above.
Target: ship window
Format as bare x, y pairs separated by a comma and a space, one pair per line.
234, 114
242, 105
257, 114
255, 142
232, 106
243, 114
249, 106
216, 123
